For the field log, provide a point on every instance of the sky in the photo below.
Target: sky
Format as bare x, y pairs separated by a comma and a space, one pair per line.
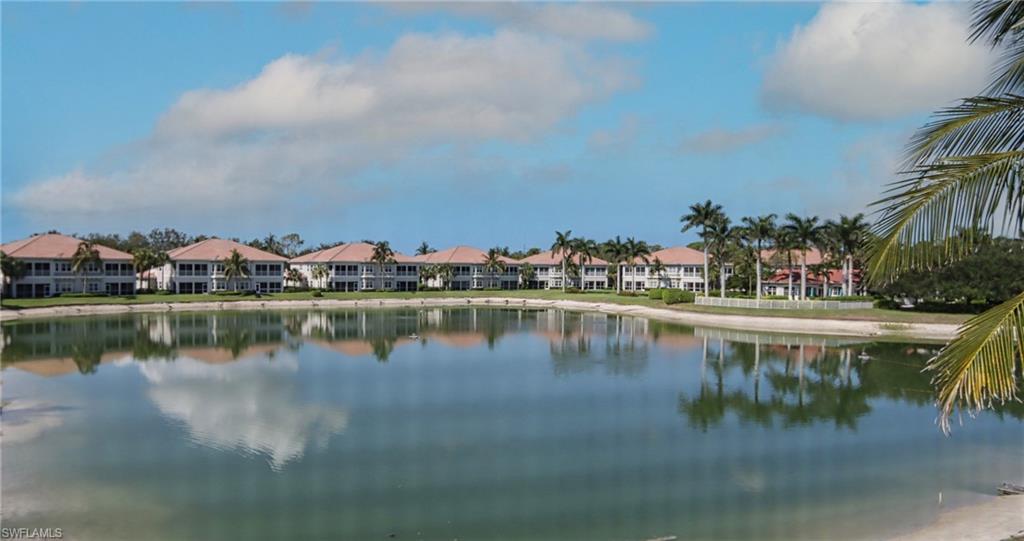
466, 123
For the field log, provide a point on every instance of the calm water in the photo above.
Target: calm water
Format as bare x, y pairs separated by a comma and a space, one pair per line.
475, 424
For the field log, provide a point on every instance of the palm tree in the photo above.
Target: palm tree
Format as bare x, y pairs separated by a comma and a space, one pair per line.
85, 256
702, 215
428, 273
615, 253
721, 238
12, 269
235, 266
635, 250
320, 273
424, 249
563, 246
527, 274
587, 250
658, 269
761, 231
293, 276
784, 247
851, 236
382, 255
804, 234
446, 272
964, 174
493, 264
144, 259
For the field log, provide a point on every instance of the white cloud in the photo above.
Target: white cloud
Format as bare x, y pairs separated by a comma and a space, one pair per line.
720, 140
573, 21
860, 61
310, 123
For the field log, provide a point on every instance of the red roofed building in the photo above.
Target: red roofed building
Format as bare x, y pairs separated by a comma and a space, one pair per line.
349, 268
821, 282
467, 264
47, 260
548, 272
199, 268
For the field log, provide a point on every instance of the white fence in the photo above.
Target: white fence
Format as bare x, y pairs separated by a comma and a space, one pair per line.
783, 304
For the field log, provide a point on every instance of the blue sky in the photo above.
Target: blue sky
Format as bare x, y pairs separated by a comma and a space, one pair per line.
483, 124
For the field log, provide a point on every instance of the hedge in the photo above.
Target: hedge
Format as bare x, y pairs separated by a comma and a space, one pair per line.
676, 296
656, 293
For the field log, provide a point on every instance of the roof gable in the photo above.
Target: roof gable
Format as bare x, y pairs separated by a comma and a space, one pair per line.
217, 249
56, 246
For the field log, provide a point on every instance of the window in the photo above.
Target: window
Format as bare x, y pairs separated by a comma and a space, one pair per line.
218, 268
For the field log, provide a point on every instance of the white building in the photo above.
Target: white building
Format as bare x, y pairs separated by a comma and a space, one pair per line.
349, 268
199, 268
684, 269
547, 268
47, 260
467, 264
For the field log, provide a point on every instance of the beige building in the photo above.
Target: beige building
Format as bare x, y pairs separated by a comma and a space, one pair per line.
199, 268
548, 272
467, 264
684, 269
349, 268
47, 260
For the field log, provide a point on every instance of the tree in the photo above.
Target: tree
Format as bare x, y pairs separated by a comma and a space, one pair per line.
851, 234
615, 253
85, 256
964, 175
424, 249
447, 273
721, 240
235, 266
494, 265
382, 255
702, 215
760, 231
658, 270
12, 269
291, 244
144, 259
292, 275
636, 251
320, 273
563, 246
587, 249
804, 233
527, 274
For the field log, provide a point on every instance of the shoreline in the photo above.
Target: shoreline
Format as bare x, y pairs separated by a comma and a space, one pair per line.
996, 519
834, 327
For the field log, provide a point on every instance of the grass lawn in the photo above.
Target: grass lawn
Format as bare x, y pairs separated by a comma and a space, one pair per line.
874, 314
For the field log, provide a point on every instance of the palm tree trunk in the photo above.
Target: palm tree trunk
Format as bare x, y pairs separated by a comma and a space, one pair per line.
706, 291
758, 272
563, 273
721, 280
803, 276
849, 274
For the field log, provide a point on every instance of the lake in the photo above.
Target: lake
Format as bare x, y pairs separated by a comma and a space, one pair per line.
475, 423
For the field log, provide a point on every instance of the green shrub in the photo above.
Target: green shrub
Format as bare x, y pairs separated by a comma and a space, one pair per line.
627, 294
164, 292
295, 289
672, 296
573, 290
81, 295
422, 287
656, 293
144, 291
318, 293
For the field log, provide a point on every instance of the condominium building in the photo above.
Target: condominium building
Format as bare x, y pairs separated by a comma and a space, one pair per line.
47, 260
467, 266
199, 268
547, 268
348, 267
683, 269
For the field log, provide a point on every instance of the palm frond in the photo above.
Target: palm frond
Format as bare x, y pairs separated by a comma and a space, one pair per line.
979, 366
934, 217
980, 125
993, 21
1009, 72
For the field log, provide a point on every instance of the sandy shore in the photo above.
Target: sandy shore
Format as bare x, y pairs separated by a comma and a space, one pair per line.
930, 331
999, 518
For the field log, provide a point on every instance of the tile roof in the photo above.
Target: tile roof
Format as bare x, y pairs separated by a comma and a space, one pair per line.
359, 252
459, 255
835, 277
215, 249
814, 256
55, 246
678, 255
549, 258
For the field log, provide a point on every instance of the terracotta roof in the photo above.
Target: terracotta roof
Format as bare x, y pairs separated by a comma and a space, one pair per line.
354, 252
835, 277
549, 258
54, 246
677, 255
215, 249
460, 255
814, 256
